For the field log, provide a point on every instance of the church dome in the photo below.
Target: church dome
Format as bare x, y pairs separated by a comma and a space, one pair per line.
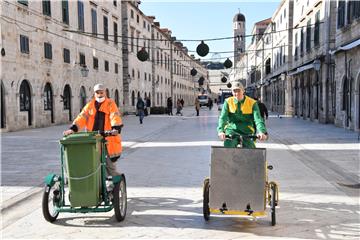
239, 18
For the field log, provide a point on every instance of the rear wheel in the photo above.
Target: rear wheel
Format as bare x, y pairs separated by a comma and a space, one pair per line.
51, 199
120, 199
206, 209
273, 205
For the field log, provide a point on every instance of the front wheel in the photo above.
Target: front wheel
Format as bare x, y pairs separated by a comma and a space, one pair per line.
120, 199
51, 199
206, 208
273, 205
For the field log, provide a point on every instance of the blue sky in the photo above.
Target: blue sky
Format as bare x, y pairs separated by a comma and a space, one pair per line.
207, 19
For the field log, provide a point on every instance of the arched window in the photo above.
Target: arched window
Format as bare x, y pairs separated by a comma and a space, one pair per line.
25, 96
346, 93
82, 97
138, 95
107, 93
116, 97
48, 97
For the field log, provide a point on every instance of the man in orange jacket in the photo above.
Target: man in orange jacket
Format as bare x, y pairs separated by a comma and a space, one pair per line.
101, 114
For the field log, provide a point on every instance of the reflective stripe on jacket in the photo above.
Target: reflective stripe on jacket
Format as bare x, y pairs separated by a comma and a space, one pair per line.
112, 118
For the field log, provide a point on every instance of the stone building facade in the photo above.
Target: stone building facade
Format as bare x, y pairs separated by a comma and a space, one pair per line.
313, 69
54, 52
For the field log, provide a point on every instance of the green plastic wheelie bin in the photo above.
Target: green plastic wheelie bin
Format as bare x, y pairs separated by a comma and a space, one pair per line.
82, 153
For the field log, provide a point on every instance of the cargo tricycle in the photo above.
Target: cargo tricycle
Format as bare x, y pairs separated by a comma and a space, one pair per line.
238, 183
83, 180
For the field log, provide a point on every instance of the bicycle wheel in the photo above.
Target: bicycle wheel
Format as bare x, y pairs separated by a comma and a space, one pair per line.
120, 199
50, 200
206, 209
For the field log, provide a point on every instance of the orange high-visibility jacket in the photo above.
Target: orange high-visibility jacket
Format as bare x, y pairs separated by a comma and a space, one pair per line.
112, 118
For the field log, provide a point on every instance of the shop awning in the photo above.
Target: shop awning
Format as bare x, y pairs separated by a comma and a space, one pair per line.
301, 69
346, 47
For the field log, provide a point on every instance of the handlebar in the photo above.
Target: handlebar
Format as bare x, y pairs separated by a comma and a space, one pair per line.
237, 135
107, 133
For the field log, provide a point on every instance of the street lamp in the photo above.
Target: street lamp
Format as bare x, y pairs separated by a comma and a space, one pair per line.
317, 65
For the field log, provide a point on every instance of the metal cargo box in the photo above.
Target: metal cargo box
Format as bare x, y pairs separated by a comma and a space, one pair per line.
237, 179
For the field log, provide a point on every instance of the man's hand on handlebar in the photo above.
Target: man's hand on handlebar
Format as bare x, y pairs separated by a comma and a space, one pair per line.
222, 136
262, 136
68, 132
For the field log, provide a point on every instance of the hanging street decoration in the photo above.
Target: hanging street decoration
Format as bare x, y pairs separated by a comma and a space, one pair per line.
223, 79
202, 49
142, 55
228, 63
201, 81
193, 72
229, 85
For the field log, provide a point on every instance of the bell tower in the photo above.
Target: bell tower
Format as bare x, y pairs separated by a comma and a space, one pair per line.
239, 36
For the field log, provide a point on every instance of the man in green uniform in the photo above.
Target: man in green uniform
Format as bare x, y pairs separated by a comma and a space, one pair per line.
238, 115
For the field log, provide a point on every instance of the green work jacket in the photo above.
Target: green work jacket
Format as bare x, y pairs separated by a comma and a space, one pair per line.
240, 116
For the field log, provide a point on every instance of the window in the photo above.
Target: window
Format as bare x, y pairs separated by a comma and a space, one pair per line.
296, 47
82, 59
66, 97
144, 24
308, 36
48, 97
132, 40
301, 41
24, 44
46, 7
317, 29
24, 2
115, 33
137, 18
66, 54
341, 14
93, 22
95, 63
115, 3
81, 16
106, 31
353, 11
116, 67
65, 11
48, 50
106, 66
132, 13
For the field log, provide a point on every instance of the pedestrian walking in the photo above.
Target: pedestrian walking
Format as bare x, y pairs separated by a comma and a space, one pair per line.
148, 105
178, 107
239, 114
140, 106
182, 102
169, 105
210, 104
101, 114
197, 106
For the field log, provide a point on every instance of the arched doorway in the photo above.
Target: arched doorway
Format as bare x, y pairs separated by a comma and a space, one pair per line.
48, 100
25, 100
3, 112
82, 97
133, 98
117, 97
67, 99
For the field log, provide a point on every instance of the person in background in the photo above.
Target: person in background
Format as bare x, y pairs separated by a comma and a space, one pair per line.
197, 106
178, 107
169, 105
101, 114
140, 107
148, 105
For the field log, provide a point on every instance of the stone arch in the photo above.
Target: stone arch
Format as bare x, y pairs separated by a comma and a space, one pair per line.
49, 99
25, 99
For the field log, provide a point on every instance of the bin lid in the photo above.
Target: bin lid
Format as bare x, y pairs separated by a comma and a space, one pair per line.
81, 138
